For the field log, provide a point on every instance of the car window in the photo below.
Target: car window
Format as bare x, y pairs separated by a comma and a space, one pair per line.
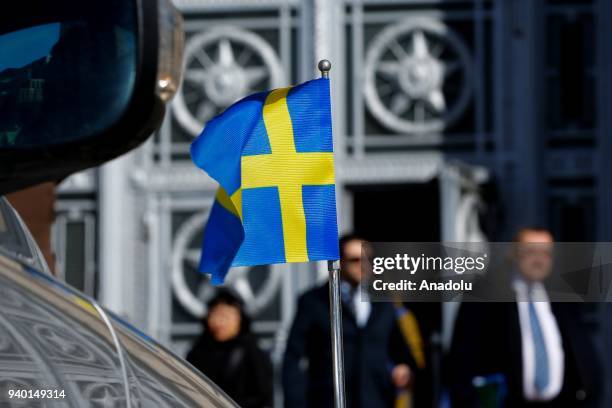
12, 236
16, 241
69, 62
3, 226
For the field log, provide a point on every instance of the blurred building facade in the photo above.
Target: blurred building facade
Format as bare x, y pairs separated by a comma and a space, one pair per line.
455, 120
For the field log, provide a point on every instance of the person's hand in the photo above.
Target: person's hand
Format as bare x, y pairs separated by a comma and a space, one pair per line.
401, 375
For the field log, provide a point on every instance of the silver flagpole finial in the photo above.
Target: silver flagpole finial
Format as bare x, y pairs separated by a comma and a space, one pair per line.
324, 67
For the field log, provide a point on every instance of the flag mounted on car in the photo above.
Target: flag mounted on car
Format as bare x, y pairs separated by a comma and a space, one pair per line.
272, 155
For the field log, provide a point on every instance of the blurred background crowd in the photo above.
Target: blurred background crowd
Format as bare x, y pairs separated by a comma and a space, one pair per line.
454, 120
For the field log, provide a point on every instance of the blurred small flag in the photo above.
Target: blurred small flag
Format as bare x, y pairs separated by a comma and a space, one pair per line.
272, 155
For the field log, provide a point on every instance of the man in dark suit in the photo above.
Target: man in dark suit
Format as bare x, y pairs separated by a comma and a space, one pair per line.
376, 358
542, 351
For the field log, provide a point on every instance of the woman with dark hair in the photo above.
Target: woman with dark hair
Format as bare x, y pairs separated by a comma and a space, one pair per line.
228, 354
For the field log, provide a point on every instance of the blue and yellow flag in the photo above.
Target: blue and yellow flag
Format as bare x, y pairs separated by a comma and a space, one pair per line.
272, 155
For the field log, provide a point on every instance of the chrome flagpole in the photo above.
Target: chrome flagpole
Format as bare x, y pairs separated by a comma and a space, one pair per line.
335, 316
335, 307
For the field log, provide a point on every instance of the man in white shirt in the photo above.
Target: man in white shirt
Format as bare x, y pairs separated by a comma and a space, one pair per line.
542, 350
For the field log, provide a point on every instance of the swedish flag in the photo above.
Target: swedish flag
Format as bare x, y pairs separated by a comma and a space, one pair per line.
272, 155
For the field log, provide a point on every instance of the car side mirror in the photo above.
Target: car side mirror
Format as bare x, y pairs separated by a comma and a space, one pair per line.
82, 82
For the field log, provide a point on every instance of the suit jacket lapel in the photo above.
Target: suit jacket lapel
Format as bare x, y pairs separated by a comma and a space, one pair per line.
374, 313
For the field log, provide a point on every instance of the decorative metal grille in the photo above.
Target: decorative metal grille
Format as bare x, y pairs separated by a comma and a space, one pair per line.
232, 50
417, 75
222, 65
416, 83
570, 117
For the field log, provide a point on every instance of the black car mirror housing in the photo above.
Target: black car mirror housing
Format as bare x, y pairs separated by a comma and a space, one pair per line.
82, 83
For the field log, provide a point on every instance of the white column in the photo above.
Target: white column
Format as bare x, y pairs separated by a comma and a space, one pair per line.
329, 44
112, 208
